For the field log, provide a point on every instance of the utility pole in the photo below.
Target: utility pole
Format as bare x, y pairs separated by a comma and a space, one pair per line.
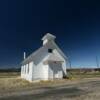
70, 65
97, 62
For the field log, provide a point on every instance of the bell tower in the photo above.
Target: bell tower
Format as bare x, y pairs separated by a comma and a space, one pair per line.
47, 38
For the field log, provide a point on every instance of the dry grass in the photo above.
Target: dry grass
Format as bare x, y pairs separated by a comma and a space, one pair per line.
9, 74
90, 87
12, 82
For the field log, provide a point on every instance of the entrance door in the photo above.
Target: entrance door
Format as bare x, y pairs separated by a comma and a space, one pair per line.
56, 70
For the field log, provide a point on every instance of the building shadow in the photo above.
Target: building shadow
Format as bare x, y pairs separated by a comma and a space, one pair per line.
55, 93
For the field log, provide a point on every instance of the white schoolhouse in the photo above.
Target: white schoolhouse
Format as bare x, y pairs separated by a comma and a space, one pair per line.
46, 63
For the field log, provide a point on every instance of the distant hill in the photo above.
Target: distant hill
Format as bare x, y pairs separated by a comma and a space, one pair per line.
83, 69
10, 69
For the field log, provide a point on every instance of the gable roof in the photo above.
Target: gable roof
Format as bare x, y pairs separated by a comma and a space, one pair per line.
33, 55
36, 55
48, 36
54, 57
59, 50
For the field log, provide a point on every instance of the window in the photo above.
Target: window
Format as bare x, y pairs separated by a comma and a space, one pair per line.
28, 69
50, 50
22, 69
25, 69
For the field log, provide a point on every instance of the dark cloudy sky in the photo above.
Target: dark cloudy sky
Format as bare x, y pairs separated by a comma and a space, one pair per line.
76, 24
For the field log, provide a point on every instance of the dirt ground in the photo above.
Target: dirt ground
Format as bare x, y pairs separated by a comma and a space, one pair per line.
14, 88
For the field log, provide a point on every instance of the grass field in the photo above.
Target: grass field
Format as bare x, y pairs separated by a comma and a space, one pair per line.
10, 82
80, 86
9, 74
84, 75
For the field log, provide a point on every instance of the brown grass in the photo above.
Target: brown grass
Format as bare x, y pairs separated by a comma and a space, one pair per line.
11, 82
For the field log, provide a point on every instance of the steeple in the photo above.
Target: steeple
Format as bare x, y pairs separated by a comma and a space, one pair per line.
48, 37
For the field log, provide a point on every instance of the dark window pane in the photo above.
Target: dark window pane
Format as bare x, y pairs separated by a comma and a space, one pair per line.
50, 50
